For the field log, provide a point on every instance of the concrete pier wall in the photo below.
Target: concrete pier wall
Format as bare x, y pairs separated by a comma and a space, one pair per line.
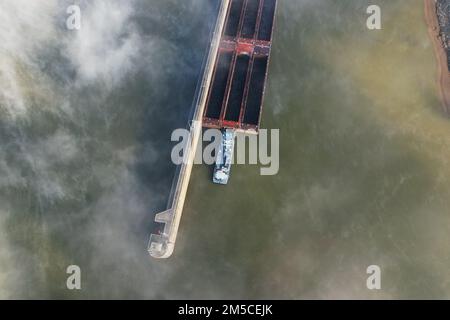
162, 245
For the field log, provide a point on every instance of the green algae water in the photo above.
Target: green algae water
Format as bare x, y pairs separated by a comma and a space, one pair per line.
364, 160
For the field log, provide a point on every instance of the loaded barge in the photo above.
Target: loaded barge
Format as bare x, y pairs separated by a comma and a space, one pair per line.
230, 98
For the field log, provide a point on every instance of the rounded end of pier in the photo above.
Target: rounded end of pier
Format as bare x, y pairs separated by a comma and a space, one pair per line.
159, 247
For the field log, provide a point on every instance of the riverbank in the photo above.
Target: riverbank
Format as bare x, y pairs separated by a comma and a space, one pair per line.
441, 55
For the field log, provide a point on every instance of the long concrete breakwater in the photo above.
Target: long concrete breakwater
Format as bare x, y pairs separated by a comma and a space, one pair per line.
162, 245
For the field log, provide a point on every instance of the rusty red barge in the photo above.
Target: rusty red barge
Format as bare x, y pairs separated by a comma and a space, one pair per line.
237, 89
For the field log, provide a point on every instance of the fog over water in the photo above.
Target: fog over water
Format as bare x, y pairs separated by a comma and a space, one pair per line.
85, 124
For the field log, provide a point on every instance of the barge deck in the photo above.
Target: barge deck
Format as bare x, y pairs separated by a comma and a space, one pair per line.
239, 81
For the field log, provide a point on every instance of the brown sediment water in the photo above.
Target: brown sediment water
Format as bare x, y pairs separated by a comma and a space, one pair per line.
364, 162
441, 55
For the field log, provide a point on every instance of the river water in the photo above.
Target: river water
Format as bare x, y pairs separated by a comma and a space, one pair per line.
86, 118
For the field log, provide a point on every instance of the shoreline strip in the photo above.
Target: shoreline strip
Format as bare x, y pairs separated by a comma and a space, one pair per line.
440, 53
